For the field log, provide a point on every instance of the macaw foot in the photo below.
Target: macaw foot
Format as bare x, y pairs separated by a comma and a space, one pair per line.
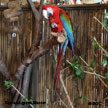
60, 37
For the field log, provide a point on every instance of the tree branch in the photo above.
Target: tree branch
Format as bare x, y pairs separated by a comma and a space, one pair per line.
34, 10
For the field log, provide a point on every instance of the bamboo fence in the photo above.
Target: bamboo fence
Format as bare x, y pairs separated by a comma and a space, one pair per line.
85, 27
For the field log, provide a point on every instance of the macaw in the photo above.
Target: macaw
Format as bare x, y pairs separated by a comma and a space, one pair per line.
60, 23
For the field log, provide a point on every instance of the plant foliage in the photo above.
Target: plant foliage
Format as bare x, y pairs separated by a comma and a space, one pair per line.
77, 69
8, 84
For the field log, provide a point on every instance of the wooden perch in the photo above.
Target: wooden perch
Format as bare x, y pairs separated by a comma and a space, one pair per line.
38, 26
41, 50
34, 10
26, 84
23, 86
3, 70
44, 48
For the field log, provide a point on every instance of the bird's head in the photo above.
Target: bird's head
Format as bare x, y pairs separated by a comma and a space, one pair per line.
47, 12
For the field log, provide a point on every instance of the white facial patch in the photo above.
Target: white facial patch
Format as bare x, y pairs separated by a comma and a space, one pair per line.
49, 10
45, 14
53, 25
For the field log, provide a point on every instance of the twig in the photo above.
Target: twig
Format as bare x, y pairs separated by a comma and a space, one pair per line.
21, 94
100, 23
71, 104
100, 46
64, 69
62, 101
88, 72
16, 94
92, 70
68, 77
94, 74
103, 82
84, 61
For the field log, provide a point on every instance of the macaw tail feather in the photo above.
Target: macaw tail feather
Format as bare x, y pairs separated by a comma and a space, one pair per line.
58, 72
58, 69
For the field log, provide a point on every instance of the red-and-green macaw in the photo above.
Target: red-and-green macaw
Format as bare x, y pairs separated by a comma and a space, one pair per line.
59, 22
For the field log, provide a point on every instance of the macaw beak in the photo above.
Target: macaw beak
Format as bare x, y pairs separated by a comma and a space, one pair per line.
45, 14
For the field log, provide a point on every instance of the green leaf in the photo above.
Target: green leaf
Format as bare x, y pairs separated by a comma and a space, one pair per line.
93, 64
81, 69
94, 43
78, 62
76, 100
8, 84
73, 64
106, 55
31, 100
77, 77
78, 72
89, 66
106, 80
11, 83
104, 63
106, 75
105, 23
82, 76
97, 77
24, 99
84, 98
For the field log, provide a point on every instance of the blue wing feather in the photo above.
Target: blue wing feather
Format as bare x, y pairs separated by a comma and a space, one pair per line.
69, 38
68, 31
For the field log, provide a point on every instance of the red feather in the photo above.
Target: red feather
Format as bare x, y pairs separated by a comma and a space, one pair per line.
58, 69
55, 18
